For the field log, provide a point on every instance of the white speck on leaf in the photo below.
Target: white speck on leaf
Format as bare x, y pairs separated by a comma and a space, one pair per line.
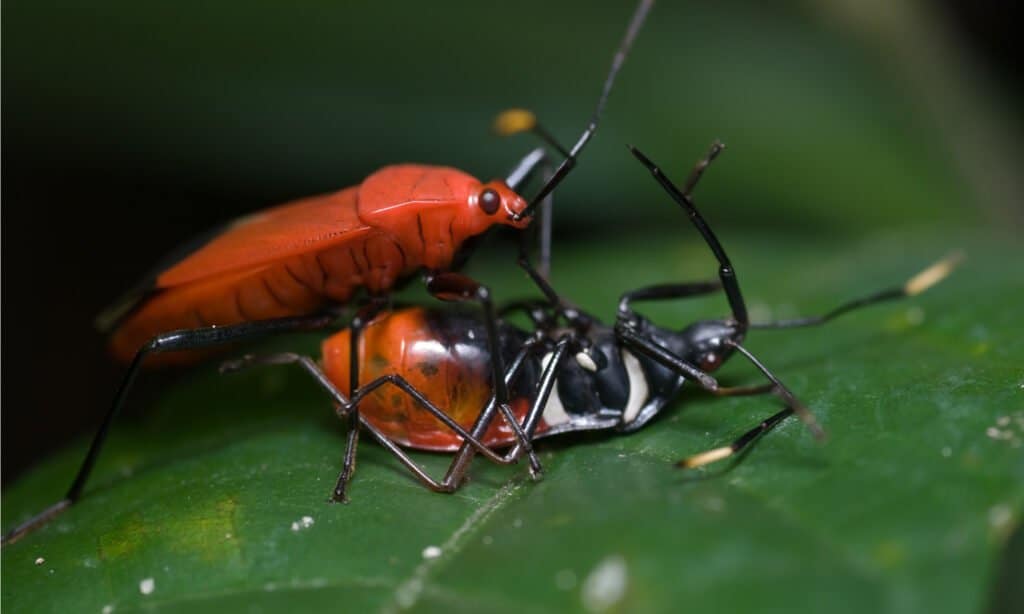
606, 584
947, 452
488, 540
303, 523
147, 586
517, 523
40, 561
1000, 517
107, 609
431, 552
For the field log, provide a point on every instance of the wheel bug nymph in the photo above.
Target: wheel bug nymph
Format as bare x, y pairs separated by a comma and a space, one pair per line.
424, 378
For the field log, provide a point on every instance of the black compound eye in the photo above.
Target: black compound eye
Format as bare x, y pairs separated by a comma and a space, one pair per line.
490, 201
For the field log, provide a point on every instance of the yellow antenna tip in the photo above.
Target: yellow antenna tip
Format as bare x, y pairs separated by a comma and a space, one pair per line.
933, 274
705, 458
514, 121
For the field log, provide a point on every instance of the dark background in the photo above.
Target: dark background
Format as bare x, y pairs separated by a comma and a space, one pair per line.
129, 127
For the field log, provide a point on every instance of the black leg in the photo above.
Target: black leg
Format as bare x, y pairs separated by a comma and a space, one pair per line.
783, 392
179, 340
364, 317
725, 270
666, 292
913, 286
346, 405
737, 446
456, 471
458, 287
684, 369
471, 440
579, 320
648, 348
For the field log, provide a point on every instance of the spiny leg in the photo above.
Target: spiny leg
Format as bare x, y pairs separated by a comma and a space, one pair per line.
344, 404
464, 457
458, 287
179, 340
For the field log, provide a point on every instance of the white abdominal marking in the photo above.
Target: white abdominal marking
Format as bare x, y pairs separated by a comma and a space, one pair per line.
554, 412
638, 389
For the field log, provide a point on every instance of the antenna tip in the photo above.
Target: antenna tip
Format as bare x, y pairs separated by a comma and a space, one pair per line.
705, 458
933, 274
514, 121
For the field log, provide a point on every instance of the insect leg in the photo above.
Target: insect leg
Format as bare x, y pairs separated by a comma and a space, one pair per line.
648, 348
179, 340
453, 478
344, 404
684, 369
344, 407
666, 292
913, 286
362, 318
458, 287
471, 441
780, 390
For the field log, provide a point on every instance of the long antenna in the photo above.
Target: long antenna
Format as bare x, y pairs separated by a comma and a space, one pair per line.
520, 120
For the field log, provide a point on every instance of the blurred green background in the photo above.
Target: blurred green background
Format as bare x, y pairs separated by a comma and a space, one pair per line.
853, 128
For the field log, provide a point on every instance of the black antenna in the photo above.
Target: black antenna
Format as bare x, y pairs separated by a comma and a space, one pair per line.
519, 120
725, 270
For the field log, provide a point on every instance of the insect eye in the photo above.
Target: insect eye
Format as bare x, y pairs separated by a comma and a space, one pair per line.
709, 362
489, 201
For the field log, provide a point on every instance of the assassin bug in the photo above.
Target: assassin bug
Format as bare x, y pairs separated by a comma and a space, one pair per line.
581, 377
287, 269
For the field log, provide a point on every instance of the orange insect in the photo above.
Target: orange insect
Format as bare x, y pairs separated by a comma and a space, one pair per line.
288, 268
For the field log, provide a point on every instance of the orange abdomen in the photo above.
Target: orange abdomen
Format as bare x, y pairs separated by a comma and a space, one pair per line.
445, 358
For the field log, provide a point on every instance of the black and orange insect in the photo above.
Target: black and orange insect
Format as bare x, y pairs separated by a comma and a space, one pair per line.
435, 380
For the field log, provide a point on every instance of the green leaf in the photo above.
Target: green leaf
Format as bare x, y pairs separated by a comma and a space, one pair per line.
904, 509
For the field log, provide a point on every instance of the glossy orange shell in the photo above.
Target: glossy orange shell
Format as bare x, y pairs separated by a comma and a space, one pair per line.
292, 259
453, 376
